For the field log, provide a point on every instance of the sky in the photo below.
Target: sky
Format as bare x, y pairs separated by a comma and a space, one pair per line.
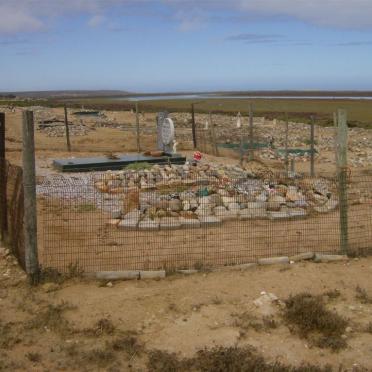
185, 45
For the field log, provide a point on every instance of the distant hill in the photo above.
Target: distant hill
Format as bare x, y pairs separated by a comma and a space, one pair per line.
68, 93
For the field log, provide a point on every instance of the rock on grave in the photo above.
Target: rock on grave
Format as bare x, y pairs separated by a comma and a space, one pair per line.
149, 225
209, 221
189, 223
170, 223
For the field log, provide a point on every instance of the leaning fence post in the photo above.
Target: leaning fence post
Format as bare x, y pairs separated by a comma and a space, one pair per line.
251, 143
193, 125
138, 129
29, 184
67, 130
3, 181
312, 148
342, 176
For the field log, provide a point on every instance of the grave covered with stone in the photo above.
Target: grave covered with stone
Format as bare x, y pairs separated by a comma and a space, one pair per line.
177, 196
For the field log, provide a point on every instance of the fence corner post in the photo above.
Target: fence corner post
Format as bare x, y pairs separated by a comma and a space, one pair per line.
342, 177
30, 212
3, 181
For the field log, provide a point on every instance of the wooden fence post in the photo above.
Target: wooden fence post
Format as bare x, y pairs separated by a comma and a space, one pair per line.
286, 144
335, 123
193, 125
251, 142
3, 181
312, 148
342, 176
138, 129
29, 185
67, 131
213, 133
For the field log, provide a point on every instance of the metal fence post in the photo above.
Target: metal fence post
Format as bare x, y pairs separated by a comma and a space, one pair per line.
29, 184
312, 148
67, 131
342, 176
138, 129
3, 180
193, 125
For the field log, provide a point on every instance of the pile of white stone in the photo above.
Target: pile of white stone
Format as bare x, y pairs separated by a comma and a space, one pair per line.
176, 196
59, 130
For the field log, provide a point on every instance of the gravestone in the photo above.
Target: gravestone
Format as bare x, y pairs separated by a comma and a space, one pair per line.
166, 133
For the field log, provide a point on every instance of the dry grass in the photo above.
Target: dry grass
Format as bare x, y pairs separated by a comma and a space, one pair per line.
51, 318
310, 317
247, 321
363, 296
220, 359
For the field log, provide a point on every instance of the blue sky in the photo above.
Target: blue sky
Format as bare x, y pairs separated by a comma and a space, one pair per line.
177, 45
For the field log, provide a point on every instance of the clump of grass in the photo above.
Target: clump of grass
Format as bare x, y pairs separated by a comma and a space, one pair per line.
333, 294
315, 322
85, 207
127, 342
52, 275
104, 326
100, 357
363, 296
369, 327
52, 318
162, 361
222, 359
217, 300
269, 322
33, 357
138, 166
201, 266
247, 321
7, 338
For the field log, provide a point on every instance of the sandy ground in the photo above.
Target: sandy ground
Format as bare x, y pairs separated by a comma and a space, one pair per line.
67, 237
76, 325
171, 315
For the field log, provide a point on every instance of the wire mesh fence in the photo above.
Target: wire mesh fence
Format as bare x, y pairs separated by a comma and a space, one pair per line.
193, 216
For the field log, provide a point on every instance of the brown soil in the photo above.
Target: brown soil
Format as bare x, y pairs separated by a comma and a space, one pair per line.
85, 325
67, 237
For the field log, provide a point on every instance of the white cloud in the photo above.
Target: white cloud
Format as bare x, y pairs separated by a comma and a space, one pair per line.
337, 13
96, 20
355, 14
33, 15
15, 20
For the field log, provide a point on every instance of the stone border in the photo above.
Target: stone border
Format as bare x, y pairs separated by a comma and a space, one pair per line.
161, 274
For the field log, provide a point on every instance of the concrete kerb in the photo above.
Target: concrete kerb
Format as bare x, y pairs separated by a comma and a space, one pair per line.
161, 274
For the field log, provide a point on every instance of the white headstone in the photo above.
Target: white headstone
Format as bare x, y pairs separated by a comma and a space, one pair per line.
167, 132
238, 121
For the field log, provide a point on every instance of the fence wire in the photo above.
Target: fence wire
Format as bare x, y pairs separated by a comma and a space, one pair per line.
193, 216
